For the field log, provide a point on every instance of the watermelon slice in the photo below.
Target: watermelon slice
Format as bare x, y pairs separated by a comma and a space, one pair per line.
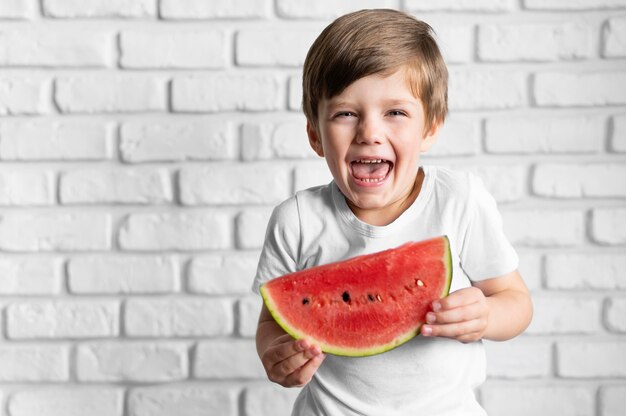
365, 305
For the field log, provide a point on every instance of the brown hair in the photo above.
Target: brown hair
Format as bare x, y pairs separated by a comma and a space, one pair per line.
371, 42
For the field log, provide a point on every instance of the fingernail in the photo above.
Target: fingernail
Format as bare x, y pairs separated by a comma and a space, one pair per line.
430, 317
303, 344
436, 306
426, 330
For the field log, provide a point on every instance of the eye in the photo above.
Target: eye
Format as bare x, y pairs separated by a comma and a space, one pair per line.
341, 114
396, 113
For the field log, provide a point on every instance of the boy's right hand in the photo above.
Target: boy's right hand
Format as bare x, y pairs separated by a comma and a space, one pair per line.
291, 363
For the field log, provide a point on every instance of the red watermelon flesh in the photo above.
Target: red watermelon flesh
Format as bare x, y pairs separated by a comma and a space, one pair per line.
364, 305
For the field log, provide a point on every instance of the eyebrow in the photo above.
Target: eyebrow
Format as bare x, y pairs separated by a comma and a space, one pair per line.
390, 102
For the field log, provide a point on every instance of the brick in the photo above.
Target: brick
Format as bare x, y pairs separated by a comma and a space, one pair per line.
179, 317
34, 363
531, 267
615, 314
477, 90
116, 185
563, 89
581, 134
458, 136
295, 93
117, 275
248, 309
250, 227
169, 49
519, 358
585, 271
100, 8
206, 230
579, 181
55, 231
566, 315
55, 48
311, 174
591, 359
505, 183
534, 42
456, 42
612, 400
213, 93
24, 95
326, 9
132, 361
544, 228
68, 401
614, 38
459, 5
227, 359
234, 184
609, 225
17, 9
30, 276
574, 5
110, 94
20, 187
618, 135
222, 274
268, 400
55, 140
266, 141
251, 46
186, 400
63, 319
177, 141
513, 399
220, 9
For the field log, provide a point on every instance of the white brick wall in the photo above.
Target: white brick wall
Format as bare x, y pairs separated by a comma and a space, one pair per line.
143, 144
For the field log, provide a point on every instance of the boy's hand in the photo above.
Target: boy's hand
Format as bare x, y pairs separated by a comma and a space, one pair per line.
463, 315
291, 363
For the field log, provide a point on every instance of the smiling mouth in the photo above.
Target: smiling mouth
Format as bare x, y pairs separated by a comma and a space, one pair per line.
371, 170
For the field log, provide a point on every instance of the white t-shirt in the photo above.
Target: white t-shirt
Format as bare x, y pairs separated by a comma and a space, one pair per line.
425, 376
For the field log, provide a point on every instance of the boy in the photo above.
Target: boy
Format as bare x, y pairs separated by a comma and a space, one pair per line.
375, 96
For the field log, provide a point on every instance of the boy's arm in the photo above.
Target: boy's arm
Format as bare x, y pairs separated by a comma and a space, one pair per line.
288, 362
497, 309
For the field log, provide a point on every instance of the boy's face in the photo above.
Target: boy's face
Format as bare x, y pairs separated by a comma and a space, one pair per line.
372, 135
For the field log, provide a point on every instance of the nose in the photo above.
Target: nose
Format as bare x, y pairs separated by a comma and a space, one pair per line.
370, 131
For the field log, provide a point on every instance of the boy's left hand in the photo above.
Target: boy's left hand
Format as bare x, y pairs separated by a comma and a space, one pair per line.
463, 315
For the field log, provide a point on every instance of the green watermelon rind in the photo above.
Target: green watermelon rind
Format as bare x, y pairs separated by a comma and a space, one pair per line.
359, 352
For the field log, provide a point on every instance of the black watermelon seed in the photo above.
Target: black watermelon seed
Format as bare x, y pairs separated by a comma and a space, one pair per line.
305, 301
370, 297
346, 297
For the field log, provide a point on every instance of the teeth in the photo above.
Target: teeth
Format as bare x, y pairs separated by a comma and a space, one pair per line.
369, 161
372, 180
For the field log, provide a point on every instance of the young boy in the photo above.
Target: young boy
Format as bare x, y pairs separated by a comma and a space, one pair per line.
375, 96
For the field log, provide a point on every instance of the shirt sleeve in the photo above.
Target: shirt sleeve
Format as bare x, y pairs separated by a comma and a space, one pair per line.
279, 255
486, 252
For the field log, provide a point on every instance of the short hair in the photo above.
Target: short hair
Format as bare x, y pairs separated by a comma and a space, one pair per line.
378, 41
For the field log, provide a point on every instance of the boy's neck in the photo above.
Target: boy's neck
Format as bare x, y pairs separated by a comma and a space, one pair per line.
387, 215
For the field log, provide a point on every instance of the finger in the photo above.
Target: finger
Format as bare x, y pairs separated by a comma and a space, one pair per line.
304, 374
284, 347
459, 298
463, 313
455, 330
284, 368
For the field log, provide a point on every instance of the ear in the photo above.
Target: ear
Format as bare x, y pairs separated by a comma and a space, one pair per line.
431, 136
314, 139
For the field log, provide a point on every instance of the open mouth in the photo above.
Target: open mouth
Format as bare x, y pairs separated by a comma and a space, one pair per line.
371, 171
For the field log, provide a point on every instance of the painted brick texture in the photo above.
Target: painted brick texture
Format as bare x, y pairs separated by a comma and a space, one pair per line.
144, 143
